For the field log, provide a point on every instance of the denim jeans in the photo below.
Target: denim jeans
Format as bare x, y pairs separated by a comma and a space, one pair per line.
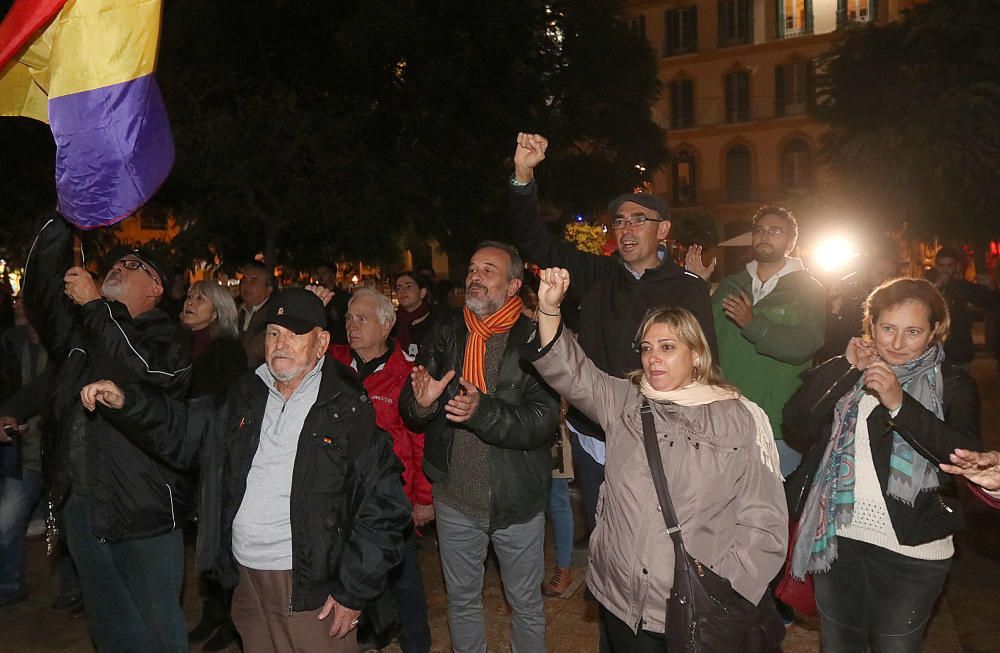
590, 475
408, 590
873, 596
561, 516
131, 589
17, 499
788, 458
462, 542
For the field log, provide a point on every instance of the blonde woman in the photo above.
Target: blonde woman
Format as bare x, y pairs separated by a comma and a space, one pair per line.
718, 455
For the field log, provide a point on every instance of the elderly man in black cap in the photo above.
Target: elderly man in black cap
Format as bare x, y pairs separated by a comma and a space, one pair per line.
614, 294
314, 510
121, 501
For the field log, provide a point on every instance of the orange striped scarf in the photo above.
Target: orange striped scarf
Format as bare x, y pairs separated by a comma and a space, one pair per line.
474, 366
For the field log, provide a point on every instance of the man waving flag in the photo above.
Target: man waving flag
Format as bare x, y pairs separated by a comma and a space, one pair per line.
86, 67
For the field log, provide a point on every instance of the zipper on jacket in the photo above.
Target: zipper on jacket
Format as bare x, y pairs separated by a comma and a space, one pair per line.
173, 516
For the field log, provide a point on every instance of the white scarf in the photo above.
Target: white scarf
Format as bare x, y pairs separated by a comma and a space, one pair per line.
698, 394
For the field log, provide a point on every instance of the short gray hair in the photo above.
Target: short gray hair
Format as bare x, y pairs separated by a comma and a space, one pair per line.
222, 303
383, 307
516, 270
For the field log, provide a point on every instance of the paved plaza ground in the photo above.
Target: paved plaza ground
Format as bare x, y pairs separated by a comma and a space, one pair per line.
967, 619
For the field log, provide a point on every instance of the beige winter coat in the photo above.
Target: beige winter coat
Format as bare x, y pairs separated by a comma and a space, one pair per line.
730, 505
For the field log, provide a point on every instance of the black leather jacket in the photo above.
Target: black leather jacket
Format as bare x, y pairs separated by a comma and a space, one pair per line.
517, 421
135, 490
808, 420
348, 511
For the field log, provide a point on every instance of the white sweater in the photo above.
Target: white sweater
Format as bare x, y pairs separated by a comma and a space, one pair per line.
870, 522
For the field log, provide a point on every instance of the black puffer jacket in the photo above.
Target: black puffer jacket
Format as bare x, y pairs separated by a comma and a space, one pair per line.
517, 421
808, 420
136, 488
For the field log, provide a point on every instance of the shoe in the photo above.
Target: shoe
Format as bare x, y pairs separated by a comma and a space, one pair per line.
559, 583
213, 615
203, 630
69, 601
222, 639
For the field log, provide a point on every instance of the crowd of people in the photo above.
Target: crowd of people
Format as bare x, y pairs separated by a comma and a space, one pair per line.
315, 435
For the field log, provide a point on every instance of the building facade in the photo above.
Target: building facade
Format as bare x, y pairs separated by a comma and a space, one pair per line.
738, 80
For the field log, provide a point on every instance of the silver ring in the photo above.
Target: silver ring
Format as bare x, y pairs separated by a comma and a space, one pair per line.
355, 622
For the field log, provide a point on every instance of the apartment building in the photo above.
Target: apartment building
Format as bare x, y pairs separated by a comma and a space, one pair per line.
738, 79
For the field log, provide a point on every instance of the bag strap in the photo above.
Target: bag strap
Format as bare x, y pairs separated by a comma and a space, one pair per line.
659, 478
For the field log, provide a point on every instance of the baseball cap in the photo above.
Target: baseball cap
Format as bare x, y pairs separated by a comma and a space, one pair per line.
645, 200
298, 310
151, 259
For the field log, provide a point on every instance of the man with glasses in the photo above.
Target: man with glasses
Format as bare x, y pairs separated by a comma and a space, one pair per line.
770, 319
613, 292
121, 496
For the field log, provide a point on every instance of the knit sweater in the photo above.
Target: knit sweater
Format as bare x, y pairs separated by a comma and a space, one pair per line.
870, 522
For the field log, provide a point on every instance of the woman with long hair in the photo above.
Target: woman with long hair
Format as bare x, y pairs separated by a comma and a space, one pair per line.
218, 359
876, 527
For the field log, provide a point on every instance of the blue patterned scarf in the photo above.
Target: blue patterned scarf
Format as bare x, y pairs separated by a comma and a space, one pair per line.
831, 499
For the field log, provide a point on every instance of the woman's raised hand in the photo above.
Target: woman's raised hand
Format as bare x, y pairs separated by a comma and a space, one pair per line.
552, 286
860, 353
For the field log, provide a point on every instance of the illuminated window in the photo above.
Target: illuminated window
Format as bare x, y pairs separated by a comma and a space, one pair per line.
794, 17
796, 164
735, 22
738, 96
681, 31
739, 174
681, 104
685, 180
857, 11
792, 89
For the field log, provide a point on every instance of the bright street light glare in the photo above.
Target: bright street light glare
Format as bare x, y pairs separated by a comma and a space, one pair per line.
832, 253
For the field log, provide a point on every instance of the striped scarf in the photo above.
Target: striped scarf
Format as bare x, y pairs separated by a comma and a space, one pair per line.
480, 330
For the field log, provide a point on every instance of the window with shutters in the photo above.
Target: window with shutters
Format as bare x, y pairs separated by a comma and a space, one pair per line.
681, 30
739, 174
792, 89
637, 25
681, 104
685, 181
735, 22
857, 11
738, 96
796, 164
794, 17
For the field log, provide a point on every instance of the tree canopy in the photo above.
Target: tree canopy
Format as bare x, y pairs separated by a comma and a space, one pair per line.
316, 130
914, 115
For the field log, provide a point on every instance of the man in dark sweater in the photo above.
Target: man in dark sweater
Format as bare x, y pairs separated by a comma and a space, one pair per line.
488, 423
947, 276
615, 292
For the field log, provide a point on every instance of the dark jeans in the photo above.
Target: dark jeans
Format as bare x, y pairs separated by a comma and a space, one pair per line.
873, 596
131, 590
408, 590
589, 475
17, 499
623, 640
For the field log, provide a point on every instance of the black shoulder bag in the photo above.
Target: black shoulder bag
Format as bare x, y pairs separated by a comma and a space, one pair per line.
704, 613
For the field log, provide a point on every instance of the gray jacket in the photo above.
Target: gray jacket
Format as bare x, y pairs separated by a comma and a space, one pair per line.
730, 506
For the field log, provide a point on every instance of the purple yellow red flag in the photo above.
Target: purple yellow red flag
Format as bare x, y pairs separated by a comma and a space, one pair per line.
88, 72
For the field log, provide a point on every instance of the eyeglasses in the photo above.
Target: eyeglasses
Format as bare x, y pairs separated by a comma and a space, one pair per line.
770, 231
634, 221
133, 264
